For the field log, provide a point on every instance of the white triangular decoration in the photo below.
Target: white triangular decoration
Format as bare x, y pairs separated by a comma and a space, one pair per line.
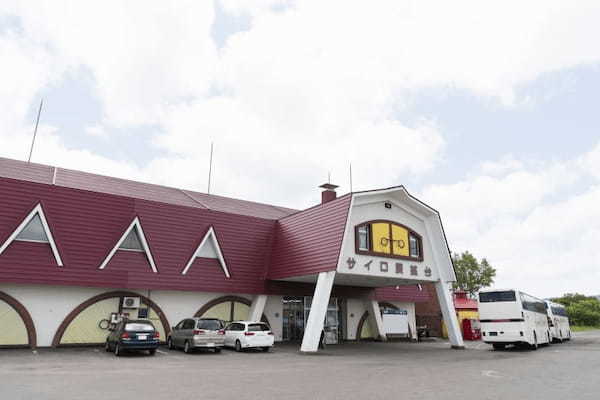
208, 248
39, 212
135, 225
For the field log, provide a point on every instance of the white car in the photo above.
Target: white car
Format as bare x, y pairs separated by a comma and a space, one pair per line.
249, 334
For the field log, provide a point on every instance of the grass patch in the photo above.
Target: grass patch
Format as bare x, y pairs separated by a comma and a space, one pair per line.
584, 328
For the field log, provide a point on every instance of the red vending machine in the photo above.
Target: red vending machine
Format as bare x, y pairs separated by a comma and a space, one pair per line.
471, 329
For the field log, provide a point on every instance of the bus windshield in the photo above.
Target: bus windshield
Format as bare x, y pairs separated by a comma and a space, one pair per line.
493, 297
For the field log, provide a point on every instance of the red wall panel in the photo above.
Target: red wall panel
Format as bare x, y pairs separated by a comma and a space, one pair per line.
86, 226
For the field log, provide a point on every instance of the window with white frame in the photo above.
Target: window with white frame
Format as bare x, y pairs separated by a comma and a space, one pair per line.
364, 237
414, 244
34, 231
132, 242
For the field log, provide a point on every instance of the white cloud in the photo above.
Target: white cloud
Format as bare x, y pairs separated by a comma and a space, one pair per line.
506, 164
537, 224
97, 130
311, 86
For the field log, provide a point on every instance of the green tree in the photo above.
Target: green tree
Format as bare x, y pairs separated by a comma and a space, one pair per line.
570, 298
582, 310
472, 274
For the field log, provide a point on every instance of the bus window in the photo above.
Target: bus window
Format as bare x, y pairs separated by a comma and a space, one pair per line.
532, 304
493, 297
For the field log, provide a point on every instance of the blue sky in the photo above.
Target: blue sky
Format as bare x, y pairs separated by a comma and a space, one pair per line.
493, 123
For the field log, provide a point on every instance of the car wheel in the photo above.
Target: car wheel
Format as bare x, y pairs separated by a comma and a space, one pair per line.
238, 346
186, 347
266, 349
152, 352
107, 346
118, 351
170, 344
499, 346
217, 349
534, 346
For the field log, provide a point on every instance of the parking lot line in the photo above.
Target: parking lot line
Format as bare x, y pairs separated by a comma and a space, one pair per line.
162, 352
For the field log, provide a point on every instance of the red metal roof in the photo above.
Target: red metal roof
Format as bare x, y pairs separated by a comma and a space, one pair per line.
86, 225
309, 241
39, 173
87, 214
463, 302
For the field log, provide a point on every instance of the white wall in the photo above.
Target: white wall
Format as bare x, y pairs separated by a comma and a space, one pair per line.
178, 305
49, 305
274, 313
356, 308
372, 208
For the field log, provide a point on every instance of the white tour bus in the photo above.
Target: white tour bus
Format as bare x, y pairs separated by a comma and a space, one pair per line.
512, 317
559, 322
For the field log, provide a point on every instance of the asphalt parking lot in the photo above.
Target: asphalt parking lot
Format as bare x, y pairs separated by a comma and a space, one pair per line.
428, 370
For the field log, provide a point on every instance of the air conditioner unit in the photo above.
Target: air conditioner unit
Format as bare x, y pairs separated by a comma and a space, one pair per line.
131, 302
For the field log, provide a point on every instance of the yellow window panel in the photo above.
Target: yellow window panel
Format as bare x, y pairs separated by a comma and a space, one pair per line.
84, 327
366, 331
381, 237
13, 330
221, 311
401, 246
153, 316
240, 311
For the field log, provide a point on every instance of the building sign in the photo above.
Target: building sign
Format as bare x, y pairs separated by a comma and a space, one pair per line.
380, 267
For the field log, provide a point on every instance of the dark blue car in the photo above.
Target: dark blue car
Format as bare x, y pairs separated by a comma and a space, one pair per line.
138, 335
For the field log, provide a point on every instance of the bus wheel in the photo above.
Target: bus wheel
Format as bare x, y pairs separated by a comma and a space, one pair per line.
534, 346
498, 346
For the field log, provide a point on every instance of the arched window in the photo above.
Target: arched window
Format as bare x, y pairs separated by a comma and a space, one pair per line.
388, 239
17, 326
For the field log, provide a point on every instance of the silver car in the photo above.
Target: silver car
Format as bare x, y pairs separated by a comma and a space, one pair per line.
196, 333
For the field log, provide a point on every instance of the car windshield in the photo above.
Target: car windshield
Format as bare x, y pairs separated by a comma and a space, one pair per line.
492, 297
139, 327
258, 327
210, 324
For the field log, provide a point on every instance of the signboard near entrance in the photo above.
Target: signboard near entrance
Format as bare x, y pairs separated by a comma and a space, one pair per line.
395, 322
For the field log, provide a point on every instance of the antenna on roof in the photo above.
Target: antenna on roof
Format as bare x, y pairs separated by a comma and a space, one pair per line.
210, 167
350, 177
329, 177
37, 121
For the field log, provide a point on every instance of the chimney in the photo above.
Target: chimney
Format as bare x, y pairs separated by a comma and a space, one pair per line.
328, 194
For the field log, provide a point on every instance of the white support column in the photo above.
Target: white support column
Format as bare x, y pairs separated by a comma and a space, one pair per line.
257, 307
375, 319
449, 314
318, 311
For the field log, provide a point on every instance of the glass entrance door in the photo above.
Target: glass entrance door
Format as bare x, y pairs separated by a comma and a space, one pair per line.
295, 315
293, 318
